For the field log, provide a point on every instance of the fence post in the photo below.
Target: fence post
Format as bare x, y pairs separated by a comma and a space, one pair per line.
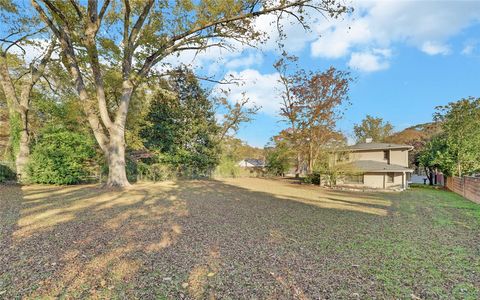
463, 186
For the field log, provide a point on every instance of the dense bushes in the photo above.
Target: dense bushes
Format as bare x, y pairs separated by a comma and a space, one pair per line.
151, 169
6, 173
278, 160
313, 178
227, 168
154, 172
61, 157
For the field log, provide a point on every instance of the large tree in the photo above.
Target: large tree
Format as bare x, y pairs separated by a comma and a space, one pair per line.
312, 103
290, 106
182, 127
374, 128
323, 97
279, 153
461, 136
434, 156
18, 76
234, 114
137, 35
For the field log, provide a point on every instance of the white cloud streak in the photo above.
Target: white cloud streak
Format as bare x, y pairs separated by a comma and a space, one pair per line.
426, 25
260, 89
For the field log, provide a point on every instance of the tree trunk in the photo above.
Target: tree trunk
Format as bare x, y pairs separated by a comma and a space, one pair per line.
23, 154
117, 175
9, 147
310, 158
297, 166
21, 103
429, 175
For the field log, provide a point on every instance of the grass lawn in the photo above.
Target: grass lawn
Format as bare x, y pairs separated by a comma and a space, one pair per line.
239, 238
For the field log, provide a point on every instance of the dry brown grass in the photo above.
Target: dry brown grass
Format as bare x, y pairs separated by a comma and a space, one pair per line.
239, 238
343, 200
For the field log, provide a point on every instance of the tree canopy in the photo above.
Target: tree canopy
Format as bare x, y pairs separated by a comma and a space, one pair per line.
374, 128
133, 37
459, 152
182, 128
312, 103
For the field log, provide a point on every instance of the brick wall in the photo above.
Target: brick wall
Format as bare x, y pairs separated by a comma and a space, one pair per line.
468, 187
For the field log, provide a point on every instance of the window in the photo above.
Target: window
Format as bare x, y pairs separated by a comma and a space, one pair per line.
386, 155
390, 177
354, 179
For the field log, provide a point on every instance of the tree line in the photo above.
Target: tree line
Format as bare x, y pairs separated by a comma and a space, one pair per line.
450, 144
102, 60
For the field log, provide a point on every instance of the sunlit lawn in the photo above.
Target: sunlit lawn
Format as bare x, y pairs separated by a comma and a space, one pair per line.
240, 238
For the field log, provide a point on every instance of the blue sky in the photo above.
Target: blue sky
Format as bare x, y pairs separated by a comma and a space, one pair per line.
406, 56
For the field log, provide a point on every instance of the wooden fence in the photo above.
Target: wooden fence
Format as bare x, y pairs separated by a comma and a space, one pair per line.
468, 187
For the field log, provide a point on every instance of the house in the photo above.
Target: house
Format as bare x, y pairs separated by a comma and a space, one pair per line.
251, 163
377, 166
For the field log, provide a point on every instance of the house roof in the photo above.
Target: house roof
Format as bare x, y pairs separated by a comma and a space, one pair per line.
377, 146
255, 162
377, 166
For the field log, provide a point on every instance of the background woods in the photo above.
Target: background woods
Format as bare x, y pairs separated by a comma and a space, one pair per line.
112, 49
142, 35
104, 71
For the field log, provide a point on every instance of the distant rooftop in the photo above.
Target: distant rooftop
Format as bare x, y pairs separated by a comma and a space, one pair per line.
378, 146
254, 162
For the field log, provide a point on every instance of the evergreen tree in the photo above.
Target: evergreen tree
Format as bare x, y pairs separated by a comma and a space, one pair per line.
182, 127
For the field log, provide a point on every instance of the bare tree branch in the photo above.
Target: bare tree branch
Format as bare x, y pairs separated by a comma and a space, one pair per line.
152, 59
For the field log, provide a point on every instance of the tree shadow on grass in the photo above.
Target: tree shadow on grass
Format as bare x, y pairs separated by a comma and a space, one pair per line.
193, 239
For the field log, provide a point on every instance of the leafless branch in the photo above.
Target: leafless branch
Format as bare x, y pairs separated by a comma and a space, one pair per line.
50, 85
22, 38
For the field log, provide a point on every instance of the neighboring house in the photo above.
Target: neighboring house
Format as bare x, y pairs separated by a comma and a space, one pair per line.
378, 166
251, 163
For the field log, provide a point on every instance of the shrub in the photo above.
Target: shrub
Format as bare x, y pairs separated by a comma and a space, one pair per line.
6, 173
131, 168
154, 172
227, 168
313, 178
278, 160
61, 157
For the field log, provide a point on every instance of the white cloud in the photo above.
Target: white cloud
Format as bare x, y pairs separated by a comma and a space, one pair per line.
200, 59
219, 117
368, 61
383, 51
469, 47
432, 48
336, 42
260, 88
426, 25
249, 60
34, 50
297, 37
214, 59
